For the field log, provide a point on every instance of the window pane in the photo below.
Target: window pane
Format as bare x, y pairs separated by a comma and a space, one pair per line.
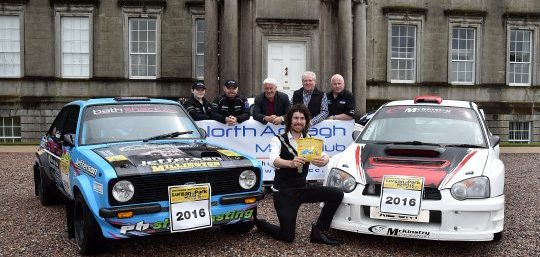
199, 48
520, 56
143, 47
9, 46
75, 46
403, 44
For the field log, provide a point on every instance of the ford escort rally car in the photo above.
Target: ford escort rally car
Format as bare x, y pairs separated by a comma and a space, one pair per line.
130, 167
426, 168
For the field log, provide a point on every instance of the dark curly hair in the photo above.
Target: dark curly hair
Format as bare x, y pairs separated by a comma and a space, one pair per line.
301, 109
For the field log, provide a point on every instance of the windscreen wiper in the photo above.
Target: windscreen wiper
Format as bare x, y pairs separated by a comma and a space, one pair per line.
464, 145
168, 135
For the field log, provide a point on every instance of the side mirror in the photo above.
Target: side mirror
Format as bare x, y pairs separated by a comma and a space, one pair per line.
203, 133
68, 140
356, 134
494, 140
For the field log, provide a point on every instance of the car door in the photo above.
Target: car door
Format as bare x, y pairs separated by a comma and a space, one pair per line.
59, 155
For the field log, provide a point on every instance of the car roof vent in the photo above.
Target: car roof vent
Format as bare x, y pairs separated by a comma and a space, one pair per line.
131, 98
428, 99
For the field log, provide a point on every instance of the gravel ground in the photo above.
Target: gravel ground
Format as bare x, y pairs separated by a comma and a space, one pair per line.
28, 229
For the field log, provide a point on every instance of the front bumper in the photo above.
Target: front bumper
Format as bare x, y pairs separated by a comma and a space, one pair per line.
450, 219
153, 218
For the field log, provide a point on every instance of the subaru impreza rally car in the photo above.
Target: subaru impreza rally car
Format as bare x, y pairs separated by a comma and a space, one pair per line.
426, 168
130, 167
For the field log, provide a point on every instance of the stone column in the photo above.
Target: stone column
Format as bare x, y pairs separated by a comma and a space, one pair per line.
229, 62
248, 86
211, 76
359, 65
345, 41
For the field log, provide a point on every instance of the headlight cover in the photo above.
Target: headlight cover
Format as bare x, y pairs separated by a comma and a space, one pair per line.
247, 179
472, 188
342, 180
123, 191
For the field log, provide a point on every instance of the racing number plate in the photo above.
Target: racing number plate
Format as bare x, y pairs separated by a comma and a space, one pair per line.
401, 195
189, 207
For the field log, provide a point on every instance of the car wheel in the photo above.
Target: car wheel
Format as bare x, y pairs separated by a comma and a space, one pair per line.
87, 232
46, 194
238, 228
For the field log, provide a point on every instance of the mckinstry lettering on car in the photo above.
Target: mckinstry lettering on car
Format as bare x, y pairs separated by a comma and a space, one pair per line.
336, 136
399, 232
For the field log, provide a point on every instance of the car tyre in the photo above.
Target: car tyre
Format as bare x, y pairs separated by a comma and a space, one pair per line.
238, 228
497, 236
88, 235
47, 195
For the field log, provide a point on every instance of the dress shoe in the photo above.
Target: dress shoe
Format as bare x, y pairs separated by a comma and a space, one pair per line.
321, 237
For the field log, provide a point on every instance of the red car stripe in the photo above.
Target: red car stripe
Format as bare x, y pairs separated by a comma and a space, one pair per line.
460, 165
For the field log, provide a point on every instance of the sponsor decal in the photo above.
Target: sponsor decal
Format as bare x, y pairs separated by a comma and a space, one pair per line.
131, 109
88, 169
233, 215
186, 165
146, 147
161, 226
389, 231
229, 153
98, 187
146, 227
116, 158
180, 160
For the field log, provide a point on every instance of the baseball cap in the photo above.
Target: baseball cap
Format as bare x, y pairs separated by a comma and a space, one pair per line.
198, 85
231, 83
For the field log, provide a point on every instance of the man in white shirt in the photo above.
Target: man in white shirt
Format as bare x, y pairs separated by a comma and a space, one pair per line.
290, 187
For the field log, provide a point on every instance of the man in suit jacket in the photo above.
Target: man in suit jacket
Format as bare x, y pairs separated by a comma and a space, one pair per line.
313, 98
271, 105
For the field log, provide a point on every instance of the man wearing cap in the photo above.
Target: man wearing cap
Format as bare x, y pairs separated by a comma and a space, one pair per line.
197, 106
271, 105
230, 108
313, 98
340, 101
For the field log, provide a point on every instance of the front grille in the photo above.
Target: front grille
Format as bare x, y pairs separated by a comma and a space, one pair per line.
430, 193
434, 216
154, 187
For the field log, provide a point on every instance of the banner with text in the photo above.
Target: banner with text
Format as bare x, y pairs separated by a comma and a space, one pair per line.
253, 138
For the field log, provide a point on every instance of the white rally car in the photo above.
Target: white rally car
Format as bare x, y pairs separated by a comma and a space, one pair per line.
425, 168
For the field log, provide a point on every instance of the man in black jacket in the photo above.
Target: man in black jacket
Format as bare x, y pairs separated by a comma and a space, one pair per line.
197, 106
340, 101
313, 98
230, 108
290, 189
271, 105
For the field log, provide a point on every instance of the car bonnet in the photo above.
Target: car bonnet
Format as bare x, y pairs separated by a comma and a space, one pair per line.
140, 158
371, 162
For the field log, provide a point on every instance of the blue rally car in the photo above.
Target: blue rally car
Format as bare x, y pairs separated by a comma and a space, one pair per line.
130, 167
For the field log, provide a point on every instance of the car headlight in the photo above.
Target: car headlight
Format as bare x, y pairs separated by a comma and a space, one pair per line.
123, 191
342, 180
247, 179
472, 188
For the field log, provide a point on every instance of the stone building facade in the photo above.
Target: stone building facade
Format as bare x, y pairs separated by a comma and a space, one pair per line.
55, 51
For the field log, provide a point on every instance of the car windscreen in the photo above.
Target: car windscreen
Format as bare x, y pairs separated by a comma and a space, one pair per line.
128, 122
427, 124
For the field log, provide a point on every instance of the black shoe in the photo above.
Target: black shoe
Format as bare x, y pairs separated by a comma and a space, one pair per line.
321, 237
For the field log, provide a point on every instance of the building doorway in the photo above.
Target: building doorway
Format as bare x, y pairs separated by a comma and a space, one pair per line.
286, 63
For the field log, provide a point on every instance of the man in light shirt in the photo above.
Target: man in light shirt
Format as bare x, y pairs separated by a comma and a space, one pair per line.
314, 99
290, 187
